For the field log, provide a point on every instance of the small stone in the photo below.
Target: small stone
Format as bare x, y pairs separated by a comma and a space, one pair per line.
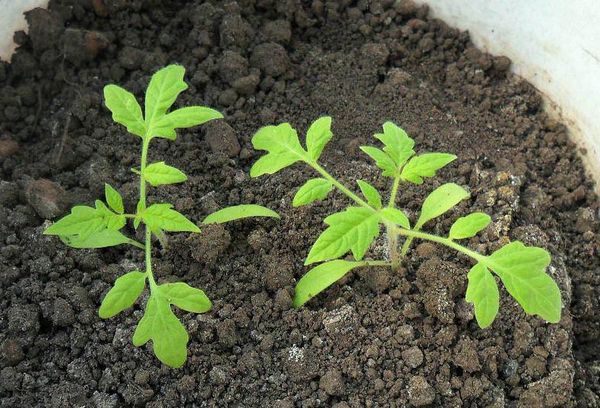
45, 28
501, 63
47, 198
332, 382
246, 85
413, 357
279, 31
63, 314
211, 243
235, 31
374, 54
131, 58
405, 8
12, 352
232, 66
83, 45
279, 272
420, 393
8, 148
271, 58
228, 97
227, 333
283, 300
426, 250
585, 220
222, 138
218, 375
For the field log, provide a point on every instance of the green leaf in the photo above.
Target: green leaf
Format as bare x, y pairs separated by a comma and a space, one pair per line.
319, 133
82, 221
102, 239
522, 271
482, 291
159, 173
320, 278
395, 216
125, 109
185, 297
111, 220
182, 118
284, 149
114, 199
382, 160
169, 337
123, 294
237, 212
353, 229
425, 165
163, 89
163, 217
439, 201
371, 194
313, 190
398, 145
467, 227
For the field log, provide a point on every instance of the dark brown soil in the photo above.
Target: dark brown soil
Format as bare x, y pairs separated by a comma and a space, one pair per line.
375, 339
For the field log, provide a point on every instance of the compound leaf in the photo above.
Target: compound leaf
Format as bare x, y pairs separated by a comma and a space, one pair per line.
163, 217
101, 239
320, 278
185, 297
425, 165
123, 294
283, 148
439, 201
467, 227
522, 271
83, 221
169, 337
125, 109
159, 173
114, 199
382, 160
317, 136
482, 291
371, 194
353, 229
164, 87
398, 145
395, 216
237, 212
313, 190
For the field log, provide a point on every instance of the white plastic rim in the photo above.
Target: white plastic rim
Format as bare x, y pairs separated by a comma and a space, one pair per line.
555, 45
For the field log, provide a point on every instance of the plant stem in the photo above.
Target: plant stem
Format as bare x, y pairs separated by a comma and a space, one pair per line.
375, 263
142, 207
406, 246
444, 241
339, 185
394, 192
136, 244
392, 239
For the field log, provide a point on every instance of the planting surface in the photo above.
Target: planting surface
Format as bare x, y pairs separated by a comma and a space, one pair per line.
375, 339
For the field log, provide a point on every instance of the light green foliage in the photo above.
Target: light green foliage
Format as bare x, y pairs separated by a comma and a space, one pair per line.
521, 269
102, 226
469, 226
238, 212
313, 190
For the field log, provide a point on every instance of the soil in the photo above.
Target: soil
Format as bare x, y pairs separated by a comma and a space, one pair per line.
375, 339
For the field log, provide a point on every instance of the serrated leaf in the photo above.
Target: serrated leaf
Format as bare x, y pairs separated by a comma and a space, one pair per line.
82, 221
158, 174
317, 136
163, 89
102, 239
126, 290
425, 165
371, 194
482, 291
185, 297
182, 118
114, 199
439, 201
469, 226
283, 147
395, 216
522, 271
237, 212
320, 278
163, 217
382, 160
169, 337
125, 109
313, 190
398, 145
353, 229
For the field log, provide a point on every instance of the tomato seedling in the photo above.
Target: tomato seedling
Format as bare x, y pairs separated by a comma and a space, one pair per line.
101, 226
520, 268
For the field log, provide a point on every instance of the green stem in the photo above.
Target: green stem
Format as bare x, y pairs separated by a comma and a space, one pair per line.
444, 241
406, 246
136, 244
394, 192
149, 260
339, 185
392, 239
142, 207
375, 263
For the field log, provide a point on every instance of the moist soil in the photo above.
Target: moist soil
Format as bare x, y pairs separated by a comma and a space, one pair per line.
376, 339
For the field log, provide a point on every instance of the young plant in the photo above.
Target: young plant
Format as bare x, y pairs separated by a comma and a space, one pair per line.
520, 268
101, 226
